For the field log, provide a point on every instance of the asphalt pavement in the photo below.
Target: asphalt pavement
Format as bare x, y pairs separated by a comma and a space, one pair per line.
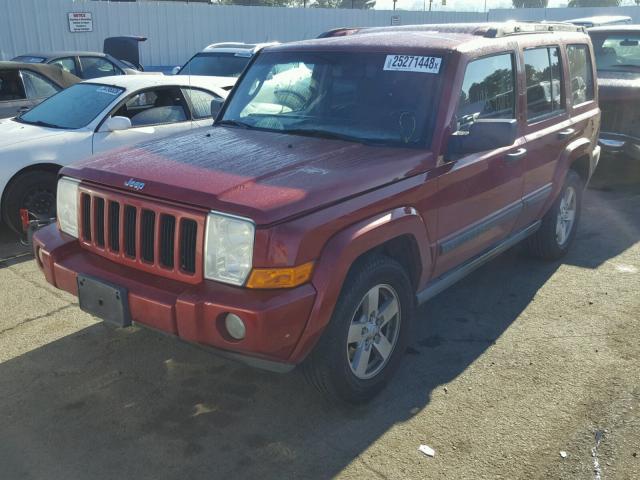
517, 363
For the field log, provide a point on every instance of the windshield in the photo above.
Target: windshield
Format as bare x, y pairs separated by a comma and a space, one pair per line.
367, 97
617, 50
216, 64
72, 108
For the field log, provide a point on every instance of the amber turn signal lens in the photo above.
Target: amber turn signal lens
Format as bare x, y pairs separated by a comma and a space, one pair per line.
280, 277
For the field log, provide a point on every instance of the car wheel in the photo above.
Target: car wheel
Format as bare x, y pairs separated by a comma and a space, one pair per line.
557, 232
364, 342
35, 191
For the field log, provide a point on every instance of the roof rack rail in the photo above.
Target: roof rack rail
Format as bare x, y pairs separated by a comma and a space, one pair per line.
518, 28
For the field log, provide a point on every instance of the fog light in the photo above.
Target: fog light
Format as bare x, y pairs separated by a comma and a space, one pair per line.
235, 326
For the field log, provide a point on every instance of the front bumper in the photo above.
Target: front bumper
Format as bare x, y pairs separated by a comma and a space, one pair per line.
274, 319
615, 144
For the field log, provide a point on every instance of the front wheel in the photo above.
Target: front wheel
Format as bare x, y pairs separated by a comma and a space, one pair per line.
367, 335
557, 232
35, 191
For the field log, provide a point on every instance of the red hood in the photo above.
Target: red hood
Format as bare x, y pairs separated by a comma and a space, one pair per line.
265, 176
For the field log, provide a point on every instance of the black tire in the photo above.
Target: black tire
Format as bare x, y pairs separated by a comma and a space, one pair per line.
545, 243
35, 190
328, 366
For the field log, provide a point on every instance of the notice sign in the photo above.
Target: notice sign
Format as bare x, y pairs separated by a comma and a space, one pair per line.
80, 22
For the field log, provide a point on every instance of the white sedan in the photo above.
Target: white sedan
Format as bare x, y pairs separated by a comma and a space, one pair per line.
91, 117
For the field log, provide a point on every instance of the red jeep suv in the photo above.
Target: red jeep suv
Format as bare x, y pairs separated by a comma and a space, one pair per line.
345, 181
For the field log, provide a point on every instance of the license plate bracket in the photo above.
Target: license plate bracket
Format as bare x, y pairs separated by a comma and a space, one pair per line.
104, 300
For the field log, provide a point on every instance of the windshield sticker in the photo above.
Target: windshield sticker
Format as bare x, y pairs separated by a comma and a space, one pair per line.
109, 91
412, 63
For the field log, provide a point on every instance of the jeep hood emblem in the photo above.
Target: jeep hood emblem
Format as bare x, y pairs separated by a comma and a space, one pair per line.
135, 184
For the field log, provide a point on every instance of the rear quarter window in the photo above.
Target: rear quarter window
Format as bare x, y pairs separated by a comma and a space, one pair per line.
581, 74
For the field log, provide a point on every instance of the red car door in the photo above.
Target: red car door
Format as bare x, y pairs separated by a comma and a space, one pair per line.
549, 127
479, 195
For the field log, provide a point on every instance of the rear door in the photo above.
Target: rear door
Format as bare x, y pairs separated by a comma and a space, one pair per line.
154, 113
480, 195
549, 127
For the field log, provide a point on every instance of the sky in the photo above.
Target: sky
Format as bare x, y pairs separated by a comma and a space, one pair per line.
460, 5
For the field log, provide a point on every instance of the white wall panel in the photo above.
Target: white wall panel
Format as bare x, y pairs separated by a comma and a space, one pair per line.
176, 30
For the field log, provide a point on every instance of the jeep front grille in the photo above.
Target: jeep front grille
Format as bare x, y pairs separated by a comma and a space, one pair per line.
149, 235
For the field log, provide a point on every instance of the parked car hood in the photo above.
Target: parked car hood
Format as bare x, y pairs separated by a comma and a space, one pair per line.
12, 132
265, 176
619, 85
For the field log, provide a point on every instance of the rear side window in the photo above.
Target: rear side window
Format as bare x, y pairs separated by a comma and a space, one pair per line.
581, 74
11, 86
36, 86
96, 67
67, 64
544, 82
487, 90
200, 102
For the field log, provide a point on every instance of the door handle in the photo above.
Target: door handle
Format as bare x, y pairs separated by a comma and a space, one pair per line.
516, 155
566, 133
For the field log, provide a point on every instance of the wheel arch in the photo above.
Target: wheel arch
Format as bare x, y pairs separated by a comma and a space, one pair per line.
399, 233
577, 156
45, 166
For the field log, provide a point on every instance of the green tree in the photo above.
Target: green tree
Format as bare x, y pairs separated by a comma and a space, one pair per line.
594, 3
360, 4
530, 3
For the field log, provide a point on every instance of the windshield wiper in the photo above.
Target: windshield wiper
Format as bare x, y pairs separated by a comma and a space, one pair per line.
332, 135
40, 123
234, 123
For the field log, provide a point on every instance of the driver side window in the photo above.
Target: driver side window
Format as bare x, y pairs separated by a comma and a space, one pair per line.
154, 107
488, 90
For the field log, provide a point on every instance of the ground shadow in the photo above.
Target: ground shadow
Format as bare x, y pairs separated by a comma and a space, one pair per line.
11, 249
105, 403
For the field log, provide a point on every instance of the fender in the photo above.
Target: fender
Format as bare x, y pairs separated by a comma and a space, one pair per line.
576, 149
339, 254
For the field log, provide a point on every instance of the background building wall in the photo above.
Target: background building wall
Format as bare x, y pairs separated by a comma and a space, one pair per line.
176, 30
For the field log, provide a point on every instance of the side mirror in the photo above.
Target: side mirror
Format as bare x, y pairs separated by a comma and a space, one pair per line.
216, 106
115, 124
175, 70
483, 135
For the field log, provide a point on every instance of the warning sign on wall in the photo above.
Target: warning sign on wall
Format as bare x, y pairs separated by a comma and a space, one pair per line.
80, 22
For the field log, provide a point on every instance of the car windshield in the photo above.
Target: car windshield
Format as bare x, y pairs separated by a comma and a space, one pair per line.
366, 97
617, 51
29, 59
72, 108
216, 64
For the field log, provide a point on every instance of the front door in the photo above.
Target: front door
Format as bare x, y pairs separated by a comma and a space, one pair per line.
479, 195
154, 113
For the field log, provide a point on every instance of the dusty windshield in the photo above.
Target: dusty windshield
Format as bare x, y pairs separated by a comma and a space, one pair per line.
617, 51
368, 97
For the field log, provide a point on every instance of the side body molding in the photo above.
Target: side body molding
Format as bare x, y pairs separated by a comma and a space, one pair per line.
343, 250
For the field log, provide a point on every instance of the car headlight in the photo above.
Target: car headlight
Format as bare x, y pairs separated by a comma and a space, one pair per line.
228, 248
67, 205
